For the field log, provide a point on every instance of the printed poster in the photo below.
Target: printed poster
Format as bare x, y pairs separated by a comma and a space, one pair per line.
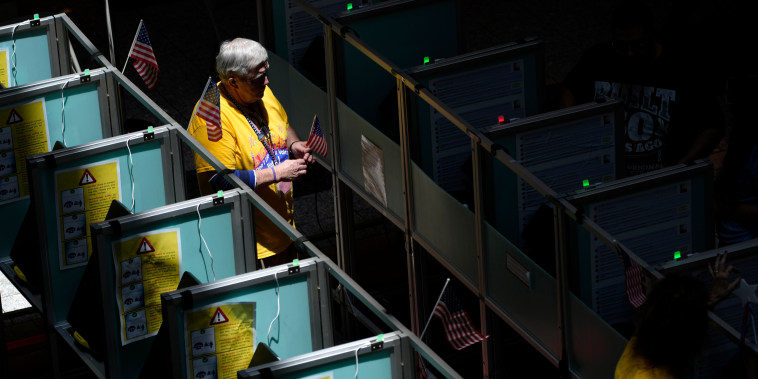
220, 339
373, 170
23, 133
84, 196
147, 265
5, 77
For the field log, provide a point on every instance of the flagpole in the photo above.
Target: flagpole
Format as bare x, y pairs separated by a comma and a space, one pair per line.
110, 32
435, 306
132, 48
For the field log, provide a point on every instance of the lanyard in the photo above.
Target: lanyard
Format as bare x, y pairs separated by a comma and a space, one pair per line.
261, 136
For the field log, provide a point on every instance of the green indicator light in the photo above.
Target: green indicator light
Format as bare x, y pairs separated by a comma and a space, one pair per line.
426, 60
36, 16
585, 183
349, 6
380, 338
295, 262
149, 129
677, 255
220, 193
86, 71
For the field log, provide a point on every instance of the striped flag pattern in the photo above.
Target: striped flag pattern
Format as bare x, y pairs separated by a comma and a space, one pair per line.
209, 110
316, 140
459, 330
633, 280
145, 63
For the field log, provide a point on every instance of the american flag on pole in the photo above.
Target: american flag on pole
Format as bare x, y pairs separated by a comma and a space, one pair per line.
209, 110
633, 280
145, 63
316, 140
459, 329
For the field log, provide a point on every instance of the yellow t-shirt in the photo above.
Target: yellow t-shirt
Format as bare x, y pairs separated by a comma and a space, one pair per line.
240, 149
631, 366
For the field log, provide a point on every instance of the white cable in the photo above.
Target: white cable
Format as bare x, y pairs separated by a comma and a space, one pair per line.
63, 116
131, 173
356, 362
268, 335
13, 55
199, 222
356, 358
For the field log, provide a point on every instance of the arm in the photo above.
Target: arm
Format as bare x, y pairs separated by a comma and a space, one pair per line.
703, 146
286, 171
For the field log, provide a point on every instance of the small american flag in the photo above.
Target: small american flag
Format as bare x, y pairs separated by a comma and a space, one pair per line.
145, 63
633, 280
208, 109
459, 329
316, 140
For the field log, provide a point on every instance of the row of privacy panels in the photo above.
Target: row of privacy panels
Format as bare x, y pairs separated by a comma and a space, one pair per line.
205, 325
370, 164
73, 188
64, 111
33, 50
275, 321
574, 151
118, 239
136, 258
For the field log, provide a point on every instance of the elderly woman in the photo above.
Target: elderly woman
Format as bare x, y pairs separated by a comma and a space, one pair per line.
254, 142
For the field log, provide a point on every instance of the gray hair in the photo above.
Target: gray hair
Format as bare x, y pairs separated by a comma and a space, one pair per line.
238, 57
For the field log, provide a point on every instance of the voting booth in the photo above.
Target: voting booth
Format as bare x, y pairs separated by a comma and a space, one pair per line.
404, 32
484, 87
567, 149
142, 255
70, 110
33, 50
217, 326
73, 188
657, 216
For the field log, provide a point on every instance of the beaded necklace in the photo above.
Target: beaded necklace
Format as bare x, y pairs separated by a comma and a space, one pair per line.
264, 134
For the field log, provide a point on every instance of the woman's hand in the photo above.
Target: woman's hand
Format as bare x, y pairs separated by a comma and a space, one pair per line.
301, 151
291, 169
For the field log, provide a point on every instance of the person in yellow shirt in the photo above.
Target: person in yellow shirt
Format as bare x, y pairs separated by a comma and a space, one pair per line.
671, 326
254, 143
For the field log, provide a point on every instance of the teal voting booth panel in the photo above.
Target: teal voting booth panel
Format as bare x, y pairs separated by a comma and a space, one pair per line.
74, 187
403, 32
33, 50
561, 148
653, 215
505, 81
388, 356
290, 313
143, 255
35, 117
